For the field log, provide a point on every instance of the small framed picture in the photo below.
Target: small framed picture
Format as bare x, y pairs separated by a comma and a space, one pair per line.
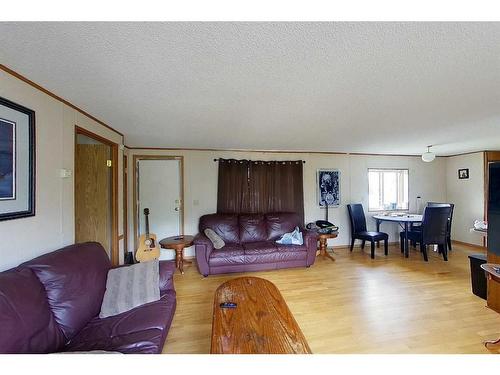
463, 174
328, 187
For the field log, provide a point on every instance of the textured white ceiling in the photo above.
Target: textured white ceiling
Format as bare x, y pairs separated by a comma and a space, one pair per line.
348, 87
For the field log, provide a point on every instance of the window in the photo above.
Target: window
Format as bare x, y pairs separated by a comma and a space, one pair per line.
387, 189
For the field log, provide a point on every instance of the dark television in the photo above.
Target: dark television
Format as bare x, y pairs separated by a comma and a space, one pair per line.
494, 208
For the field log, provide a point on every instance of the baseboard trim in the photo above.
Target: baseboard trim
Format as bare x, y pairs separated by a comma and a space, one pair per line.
471, 245
358, 245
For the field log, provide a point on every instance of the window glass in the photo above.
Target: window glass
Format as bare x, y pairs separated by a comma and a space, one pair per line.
387, 189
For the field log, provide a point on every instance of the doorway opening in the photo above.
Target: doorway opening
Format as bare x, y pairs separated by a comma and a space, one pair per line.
96, 192
159, 186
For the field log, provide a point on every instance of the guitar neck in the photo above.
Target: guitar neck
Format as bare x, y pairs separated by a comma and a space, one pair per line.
147, 226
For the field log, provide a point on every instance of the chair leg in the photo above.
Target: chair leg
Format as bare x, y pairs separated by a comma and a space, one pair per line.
352, 243
372, 249
386, 246
363, 244
449, 243
423, 249
443, 248
402, 243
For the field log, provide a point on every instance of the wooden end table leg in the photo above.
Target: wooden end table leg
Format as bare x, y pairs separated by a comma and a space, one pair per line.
323, 249
179, 259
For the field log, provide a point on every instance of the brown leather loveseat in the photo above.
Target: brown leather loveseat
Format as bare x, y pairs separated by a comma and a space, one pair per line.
250, 243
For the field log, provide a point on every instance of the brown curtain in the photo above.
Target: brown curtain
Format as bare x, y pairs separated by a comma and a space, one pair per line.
232, 191
277, 186
260, 186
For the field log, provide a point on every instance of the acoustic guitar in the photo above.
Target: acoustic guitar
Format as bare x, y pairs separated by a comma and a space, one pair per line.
148, 246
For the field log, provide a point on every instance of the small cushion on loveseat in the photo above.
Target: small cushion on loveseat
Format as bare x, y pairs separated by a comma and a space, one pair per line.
130, 286
216, 240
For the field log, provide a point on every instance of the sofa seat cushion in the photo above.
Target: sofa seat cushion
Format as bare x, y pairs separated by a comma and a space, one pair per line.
229, 254
287, 256
140, 330
26, 323
293, 248
252, 228
261, 247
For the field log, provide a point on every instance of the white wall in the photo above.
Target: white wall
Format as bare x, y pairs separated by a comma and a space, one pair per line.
468, 195
53, 225
200, 178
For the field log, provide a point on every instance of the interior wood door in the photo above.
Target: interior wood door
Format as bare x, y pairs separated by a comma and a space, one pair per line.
93, 194
159, 189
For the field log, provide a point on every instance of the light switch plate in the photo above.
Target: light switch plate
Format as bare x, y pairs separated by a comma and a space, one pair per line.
65, 173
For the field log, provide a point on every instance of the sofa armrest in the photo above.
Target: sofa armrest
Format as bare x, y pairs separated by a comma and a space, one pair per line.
311, 242
203, 248
167, 270
166, 279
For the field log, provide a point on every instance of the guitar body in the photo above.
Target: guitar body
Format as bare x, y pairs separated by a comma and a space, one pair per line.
148, 249
145, 252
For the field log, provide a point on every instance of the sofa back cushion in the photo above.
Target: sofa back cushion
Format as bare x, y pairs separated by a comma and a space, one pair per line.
252, 228
74, 278
281, 223
27, 324
225, 225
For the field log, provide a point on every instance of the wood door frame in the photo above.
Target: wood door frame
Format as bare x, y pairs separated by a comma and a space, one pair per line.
489, 157
125, 205
115, 257
493, 297
136, 159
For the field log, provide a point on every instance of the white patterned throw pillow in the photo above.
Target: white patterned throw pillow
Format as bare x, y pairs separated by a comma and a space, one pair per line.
216, 240
129, 287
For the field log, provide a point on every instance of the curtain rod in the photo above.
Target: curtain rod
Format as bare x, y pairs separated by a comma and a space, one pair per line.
265, 161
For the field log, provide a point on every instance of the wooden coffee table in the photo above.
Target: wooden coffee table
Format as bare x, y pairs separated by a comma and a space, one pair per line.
178, 243
261, 323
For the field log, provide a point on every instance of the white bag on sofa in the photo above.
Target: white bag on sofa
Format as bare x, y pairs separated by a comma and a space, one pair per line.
293, 238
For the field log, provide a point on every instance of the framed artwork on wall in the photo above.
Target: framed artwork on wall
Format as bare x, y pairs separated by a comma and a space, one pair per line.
17, 161
328, 187
463, 174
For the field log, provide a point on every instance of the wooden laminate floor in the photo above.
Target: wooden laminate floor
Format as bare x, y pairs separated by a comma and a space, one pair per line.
358, 305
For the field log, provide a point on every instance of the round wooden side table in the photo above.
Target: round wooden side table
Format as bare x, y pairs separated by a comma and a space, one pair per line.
323, 238
178, 243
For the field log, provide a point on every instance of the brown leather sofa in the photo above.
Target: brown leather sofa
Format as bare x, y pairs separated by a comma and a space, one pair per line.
52, 303
250, 243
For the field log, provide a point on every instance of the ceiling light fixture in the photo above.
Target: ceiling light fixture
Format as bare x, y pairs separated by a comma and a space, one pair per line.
428, 156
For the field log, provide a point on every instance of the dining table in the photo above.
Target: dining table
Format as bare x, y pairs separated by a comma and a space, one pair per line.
404, 220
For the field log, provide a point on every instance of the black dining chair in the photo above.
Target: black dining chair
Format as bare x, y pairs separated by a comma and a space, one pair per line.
450, 219
433, 231
359, 232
